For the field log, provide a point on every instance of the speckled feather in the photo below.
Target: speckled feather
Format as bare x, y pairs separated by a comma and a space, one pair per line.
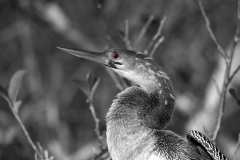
198, 138
133, 136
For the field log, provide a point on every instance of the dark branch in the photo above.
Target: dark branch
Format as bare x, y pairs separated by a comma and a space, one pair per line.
233, 74
96, 120
227, 77
143, 31
160, 40
126, 35
156, 36
208, 26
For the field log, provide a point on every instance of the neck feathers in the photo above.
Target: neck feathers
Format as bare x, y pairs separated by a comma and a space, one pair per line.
132, 120
139, 111
135, 106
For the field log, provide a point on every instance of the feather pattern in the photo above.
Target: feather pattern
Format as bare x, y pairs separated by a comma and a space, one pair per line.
131, 134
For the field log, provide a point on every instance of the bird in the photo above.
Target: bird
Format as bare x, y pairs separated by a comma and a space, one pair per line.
137, 119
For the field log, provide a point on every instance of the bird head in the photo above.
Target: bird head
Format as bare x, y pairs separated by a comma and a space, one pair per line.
138, 68
117, 59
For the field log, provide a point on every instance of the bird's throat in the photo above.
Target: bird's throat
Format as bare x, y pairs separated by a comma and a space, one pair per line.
133, 117
138, 112
148, 77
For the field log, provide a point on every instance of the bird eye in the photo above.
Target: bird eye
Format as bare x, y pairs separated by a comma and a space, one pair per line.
115, 55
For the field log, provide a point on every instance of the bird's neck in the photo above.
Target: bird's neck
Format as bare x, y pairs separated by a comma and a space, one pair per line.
149, 77
134, 116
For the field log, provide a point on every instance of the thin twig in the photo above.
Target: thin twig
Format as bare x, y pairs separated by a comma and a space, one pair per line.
26, 133
208, 26
156, 46
118, 81
97, 121
236, 40
237, 35
216, 85
226, 76
157, 35
126, 35
233, 74
23, 128
222, 100
237, 148
99, 7
143, 30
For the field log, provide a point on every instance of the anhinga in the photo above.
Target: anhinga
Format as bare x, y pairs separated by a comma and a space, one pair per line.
138, 116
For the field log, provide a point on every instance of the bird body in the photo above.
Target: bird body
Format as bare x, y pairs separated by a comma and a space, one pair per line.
135, 136
138, 116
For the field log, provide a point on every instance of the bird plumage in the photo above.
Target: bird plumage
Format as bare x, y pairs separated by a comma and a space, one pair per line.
136, 134
138, 116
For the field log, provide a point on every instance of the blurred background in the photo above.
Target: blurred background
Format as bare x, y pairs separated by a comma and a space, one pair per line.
56, 112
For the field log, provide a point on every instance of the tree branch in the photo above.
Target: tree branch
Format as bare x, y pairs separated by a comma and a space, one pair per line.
233, 74
156, 36
96, 120
208, 26
160, 40
126, 35
10, 104
143, 31
228, 60
118, 80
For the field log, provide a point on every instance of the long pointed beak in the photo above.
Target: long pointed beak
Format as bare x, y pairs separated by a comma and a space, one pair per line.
93, 56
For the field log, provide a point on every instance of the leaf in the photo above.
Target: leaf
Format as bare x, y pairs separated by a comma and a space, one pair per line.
15, 85
89, 86
93, 83
233, 92
3, 91
4, 95
16, 106
94, 89
83, 85
91, 79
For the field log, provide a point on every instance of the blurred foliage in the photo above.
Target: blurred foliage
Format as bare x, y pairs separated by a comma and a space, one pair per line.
54, 110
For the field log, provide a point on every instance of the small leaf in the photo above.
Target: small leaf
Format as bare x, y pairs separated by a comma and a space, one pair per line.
4, 95
15, 84
91, 79
94, 89
83, 85
3, 90
233, 92
16, 106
